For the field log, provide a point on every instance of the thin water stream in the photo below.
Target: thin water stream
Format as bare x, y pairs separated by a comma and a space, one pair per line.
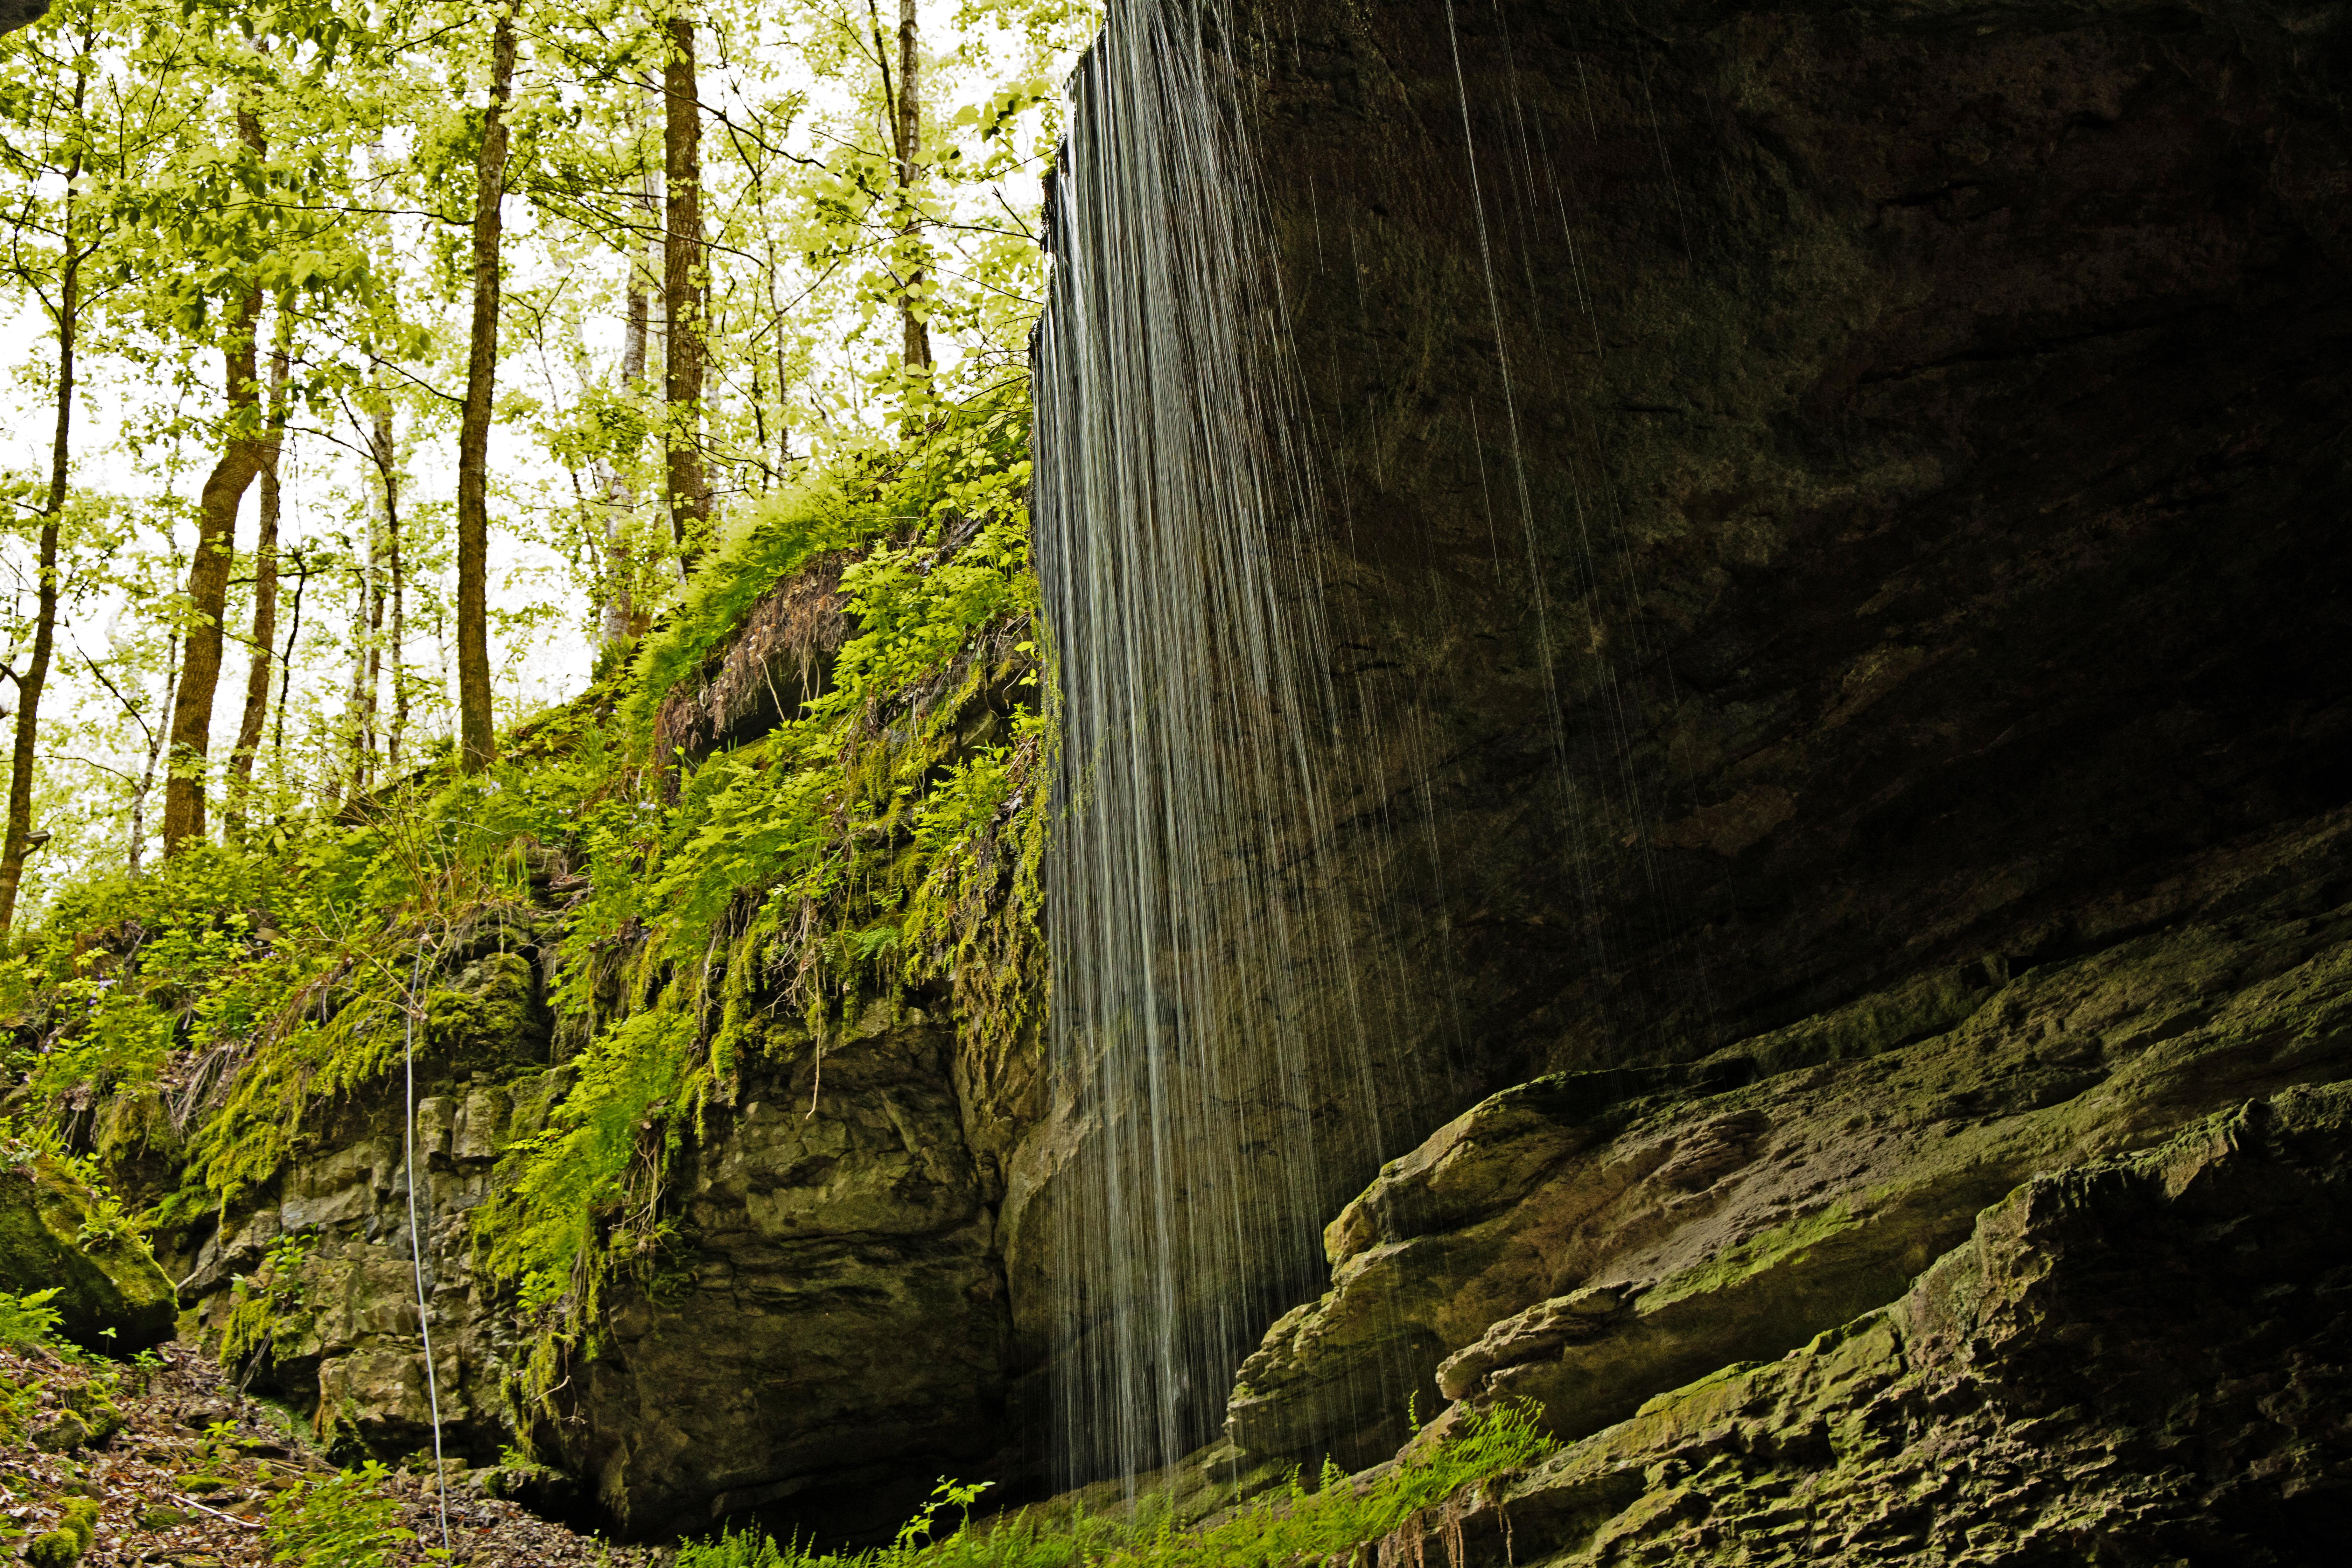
1191, 972
1235, 1041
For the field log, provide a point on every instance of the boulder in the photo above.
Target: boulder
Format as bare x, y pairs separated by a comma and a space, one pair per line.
111, 1295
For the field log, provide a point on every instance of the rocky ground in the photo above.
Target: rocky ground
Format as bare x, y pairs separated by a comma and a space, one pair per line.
182, 1470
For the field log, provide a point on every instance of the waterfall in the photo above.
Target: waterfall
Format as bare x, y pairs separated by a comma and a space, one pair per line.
1201, 997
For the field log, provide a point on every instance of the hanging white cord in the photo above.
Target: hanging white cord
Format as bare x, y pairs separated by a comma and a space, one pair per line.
415, 1243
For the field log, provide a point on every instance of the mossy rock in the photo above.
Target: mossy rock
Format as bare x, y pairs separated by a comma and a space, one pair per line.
62, 1436
113, 1298
63, 1547
97, 1412
57, 1549
488, 1018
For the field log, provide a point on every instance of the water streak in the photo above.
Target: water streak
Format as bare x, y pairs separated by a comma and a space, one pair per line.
1197, 984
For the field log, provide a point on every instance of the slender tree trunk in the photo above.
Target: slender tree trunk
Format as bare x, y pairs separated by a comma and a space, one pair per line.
19, 837
264, 604
682, 286
243, 449
367, 667
620, 496
241, 458
387, 458
917, 348
154, 750
477, 747
286, 667
783, 421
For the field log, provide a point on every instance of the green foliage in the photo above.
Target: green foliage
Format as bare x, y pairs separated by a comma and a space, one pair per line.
18, 1403
888, 837
110, 1226
765, 543
342, 1521
1297, 1525
29, 1319
260, 1304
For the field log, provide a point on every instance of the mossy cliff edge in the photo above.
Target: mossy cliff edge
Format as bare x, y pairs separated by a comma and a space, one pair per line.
688, 1061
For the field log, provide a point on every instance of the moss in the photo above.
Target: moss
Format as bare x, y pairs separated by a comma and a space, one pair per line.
57, 1549
63, 1547
1774, 1248
109, 1297
1930, 1005
490, 1018
90, 1401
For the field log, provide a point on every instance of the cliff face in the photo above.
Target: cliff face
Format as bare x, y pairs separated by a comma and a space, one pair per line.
1590, 1240
1815, 509
1815, 495
825, 1332
2140, 1361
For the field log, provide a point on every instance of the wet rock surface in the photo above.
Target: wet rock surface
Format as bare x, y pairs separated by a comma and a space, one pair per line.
2137, 1359
1812, 498
1565, 1243
1811, 505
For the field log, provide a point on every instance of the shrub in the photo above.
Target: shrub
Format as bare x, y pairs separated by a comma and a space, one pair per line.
29, 1319
344, 1522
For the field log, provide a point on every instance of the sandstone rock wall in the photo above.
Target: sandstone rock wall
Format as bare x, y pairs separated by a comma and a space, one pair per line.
1586, 1242
824, 1334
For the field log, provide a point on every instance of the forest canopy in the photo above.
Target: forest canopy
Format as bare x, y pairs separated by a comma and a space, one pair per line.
381, 371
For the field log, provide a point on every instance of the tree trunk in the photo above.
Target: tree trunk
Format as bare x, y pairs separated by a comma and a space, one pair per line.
19, 837
783, 403
917, 347
477, 747
387, 456
243, 449
154, 750
286, 665
265, 606
621, 621
682, 284
367, 667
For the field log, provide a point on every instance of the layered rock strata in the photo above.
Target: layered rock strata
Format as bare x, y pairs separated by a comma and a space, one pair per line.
1805, 502
2138, 1360
1586, 1241
824, 1334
